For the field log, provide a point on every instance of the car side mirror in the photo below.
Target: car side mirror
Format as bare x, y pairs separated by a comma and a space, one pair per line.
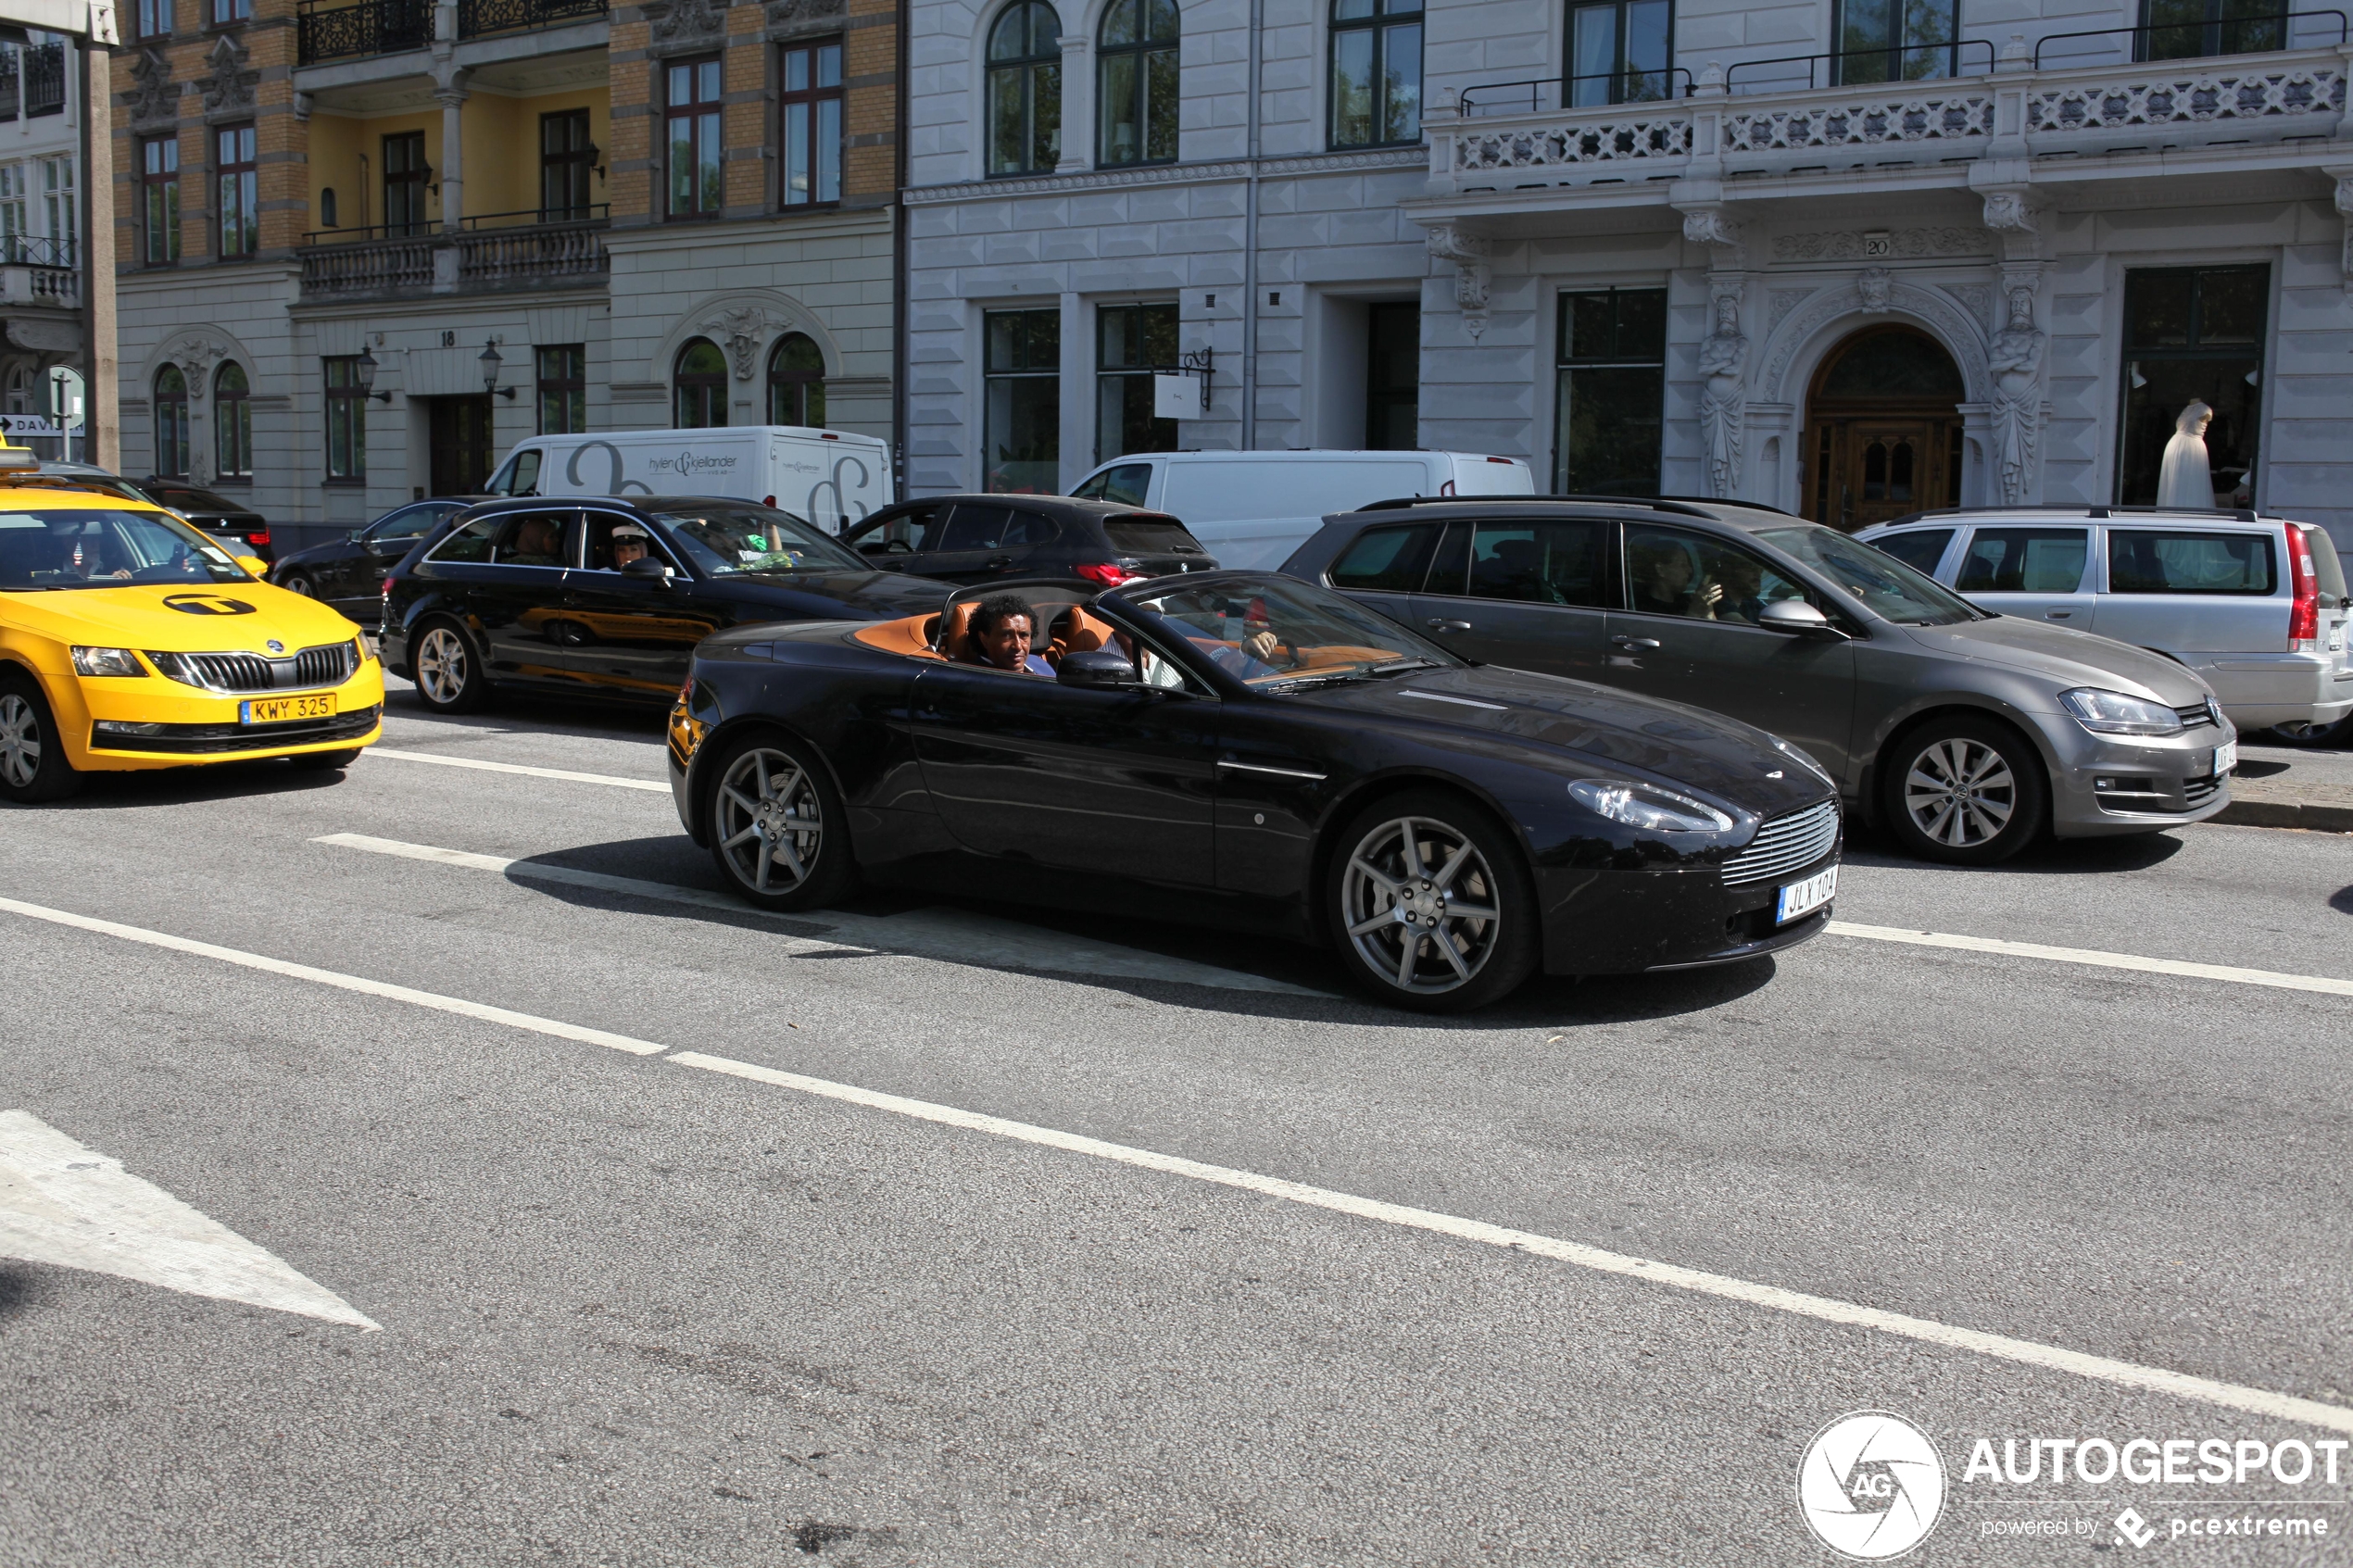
1797, 618
646, 568
1099, 669
256, 565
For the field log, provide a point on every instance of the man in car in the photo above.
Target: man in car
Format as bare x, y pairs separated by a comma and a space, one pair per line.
1001, 633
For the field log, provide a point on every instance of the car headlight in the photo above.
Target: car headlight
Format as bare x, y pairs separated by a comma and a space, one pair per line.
2113, 714
107, 661
1647, 806
1804, 761
359, 655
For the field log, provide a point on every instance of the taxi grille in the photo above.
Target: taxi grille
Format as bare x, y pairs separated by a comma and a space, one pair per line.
328, 664
1784, 844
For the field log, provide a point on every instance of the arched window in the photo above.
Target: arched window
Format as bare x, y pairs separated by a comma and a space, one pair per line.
797, 382
1025, 89
171, 422
1377, 72
1135, 96
231, 423
700, 400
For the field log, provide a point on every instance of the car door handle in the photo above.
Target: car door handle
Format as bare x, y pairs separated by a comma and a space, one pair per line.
2057, 614
1633, 644
999, 563
1442, 625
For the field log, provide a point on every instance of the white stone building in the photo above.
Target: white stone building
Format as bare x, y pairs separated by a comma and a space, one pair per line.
41, 236
1987, 269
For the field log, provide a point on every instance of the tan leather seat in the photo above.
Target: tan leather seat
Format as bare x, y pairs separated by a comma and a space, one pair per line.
1077, 631
956, 638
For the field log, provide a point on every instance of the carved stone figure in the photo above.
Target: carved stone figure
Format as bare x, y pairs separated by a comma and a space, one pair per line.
2016, 359
1873, 287
1709, 226
2008, 211
1723, 396
1472, 276
684, 22
157, 95
739, 329
231, 85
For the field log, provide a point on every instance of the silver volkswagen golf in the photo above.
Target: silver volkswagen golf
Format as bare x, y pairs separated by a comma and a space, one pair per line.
1968, 734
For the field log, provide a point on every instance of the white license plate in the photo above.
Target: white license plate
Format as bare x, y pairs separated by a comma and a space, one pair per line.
1805, 898
2226, 756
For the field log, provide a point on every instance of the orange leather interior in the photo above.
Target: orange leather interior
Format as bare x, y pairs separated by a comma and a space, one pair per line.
1077, 631
909, 638
956, 641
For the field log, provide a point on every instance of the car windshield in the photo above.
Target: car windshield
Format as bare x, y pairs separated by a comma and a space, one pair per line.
1275, 633
91, 547
1886, 586
726, 540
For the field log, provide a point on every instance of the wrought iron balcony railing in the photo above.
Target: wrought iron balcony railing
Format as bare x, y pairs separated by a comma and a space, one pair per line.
38, 250
476, 18
496, 250
44, 80
369, 27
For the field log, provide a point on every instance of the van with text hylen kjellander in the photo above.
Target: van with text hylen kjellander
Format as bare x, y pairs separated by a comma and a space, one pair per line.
830, 477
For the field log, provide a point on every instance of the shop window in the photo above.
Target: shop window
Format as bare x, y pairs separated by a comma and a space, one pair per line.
1133, 343
1025, 89
1022, 434
1612, 391
2193, 334
1377, 73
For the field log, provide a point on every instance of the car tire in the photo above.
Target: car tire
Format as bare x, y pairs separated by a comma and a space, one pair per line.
448, 667
1964, 792
34, 769
778, 831
1383, 914
295, 583
325, 761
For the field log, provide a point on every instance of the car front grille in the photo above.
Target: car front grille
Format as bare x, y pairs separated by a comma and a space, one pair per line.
1784, 844
2197, 713
328, 664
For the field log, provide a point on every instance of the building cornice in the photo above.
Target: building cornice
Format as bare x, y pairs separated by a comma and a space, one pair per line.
1381, 158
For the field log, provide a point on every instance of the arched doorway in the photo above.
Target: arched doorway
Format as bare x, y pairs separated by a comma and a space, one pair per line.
1883, 429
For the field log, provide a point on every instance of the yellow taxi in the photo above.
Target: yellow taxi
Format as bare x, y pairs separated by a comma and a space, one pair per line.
129, 640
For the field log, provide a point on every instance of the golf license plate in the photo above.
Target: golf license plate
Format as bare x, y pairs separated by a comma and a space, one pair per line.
279, 709
1804, 898
2226, 756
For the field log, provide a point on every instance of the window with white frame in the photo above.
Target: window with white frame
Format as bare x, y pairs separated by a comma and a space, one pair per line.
15, 228
57, 202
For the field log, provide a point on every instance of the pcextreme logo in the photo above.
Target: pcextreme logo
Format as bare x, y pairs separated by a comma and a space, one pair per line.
1870, 1486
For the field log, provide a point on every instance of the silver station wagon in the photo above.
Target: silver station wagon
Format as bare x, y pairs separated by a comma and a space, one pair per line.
2256, 604
1967, 733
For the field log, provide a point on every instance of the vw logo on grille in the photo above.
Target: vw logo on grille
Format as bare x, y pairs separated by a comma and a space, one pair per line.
274, 646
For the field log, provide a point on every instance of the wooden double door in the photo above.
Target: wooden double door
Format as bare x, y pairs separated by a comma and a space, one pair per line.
1867, 466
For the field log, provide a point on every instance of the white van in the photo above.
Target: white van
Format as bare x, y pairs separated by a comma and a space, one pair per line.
830, 477
1254, 509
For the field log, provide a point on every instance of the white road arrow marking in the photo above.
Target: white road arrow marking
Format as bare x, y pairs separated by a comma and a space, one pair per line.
61, 1203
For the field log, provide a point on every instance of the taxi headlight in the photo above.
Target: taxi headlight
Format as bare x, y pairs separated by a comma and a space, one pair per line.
107, 661
1647, 806
360, 652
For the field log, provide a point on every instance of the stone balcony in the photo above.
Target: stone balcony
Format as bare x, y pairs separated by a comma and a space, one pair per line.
493, 258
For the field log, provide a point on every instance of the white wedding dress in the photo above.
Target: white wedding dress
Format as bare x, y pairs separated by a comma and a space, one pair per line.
2186, 479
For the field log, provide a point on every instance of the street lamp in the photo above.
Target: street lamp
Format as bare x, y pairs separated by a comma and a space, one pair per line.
490, 361
365, 368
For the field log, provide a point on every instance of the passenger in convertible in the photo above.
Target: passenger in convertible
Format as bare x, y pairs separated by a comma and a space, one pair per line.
1001, 633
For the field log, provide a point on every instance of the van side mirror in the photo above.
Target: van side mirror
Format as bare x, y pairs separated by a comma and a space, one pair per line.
1797, 618
1097, 668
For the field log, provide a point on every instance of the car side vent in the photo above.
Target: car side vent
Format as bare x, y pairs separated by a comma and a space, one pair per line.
1785, 845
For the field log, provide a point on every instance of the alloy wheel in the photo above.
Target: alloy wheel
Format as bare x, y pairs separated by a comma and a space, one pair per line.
769, 820
1420, 905
20, 742
441, 665
299, 584
1960, 792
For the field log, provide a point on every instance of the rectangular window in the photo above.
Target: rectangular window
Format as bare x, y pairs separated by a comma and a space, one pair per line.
2023, 560
1897, 40
228, 12
11, 81
1619, 52
564, 389
692, 114
44, 77
810, 110
1132, 344
347, 419
153, 19
1377, 73
566, 160
406, 175
59, 210
1022, 441
15, 228
1542, 563
1612, 391
2149, 561
239, 205
159, 191
2193, 334
2181, 30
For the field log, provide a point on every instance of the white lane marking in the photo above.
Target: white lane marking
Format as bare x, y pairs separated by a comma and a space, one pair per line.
330, 977
2002, 1346
66, 1204
955, 935
2094, 957
613, 780
1999, 1346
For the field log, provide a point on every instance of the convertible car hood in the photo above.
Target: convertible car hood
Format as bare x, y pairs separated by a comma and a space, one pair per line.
881, 594
2064, 656
1666, 740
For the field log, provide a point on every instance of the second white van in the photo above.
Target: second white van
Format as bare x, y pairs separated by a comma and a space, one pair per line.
1254, 509
830, 477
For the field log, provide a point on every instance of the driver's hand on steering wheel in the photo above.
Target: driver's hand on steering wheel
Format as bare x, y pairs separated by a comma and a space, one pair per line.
1261, 645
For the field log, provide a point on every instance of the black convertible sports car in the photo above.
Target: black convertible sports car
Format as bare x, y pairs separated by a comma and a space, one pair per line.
1246, 749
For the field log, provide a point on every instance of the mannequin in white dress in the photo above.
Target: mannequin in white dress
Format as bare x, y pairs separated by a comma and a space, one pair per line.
2184, 480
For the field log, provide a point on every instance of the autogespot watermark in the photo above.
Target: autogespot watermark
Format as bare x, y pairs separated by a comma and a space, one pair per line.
1871, 1486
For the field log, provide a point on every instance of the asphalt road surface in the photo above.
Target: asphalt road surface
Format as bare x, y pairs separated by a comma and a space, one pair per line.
707, 1249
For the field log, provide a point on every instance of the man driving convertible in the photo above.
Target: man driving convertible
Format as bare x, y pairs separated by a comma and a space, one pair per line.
1001, 628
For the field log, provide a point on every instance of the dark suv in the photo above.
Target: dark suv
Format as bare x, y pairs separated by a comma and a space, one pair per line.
1965, 733
978, 538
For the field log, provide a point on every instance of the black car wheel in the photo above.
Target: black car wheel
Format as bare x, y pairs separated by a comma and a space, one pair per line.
776, 827
33, 761
1432, 906
448, 669
1966, 792
295, 583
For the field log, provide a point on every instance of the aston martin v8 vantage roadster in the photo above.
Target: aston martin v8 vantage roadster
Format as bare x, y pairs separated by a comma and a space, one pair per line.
1246, 750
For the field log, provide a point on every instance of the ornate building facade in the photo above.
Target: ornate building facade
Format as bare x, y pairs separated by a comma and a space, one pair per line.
364, 247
